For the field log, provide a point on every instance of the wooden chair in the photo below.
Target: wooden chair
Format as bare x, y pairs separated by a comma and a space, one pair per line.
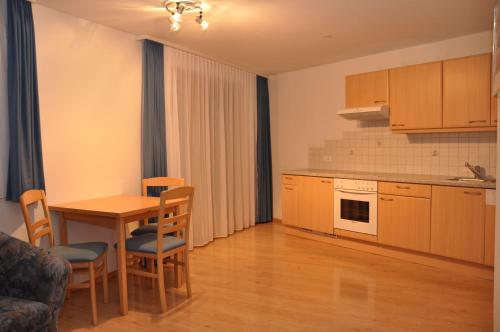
167, 182
90, 257
160, 248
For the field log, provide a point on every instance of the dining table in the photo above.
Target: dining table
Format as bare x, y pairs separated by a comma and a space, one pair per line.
112, 212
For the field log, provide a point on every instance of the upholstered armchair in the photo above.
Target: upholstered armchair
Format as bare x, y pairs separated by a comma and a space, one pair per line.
32, 286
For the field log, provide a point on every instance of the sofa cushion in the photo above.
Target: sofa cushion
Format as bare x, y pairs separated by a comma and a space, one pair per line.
80, 252
23, 315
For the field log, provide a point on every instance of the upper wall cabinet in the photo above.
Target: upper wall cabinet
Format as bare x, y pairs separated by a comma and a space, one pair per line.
467, 92
416, 96
368, 89
494, 106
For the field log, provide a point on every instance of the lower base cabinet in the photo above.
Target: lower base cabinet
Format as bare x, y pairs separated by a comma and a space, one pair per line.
316, 204
458, 223
404, 222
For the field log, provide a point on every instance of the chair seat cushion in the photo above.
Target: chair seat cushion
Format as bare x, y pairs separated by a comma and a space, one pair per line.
80, 252
23, 315
147, 243
145, 229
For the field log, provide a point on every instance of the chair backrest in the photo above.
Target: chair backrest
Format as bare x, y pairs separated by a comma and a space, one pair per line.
181, 199
160, 182
40, 228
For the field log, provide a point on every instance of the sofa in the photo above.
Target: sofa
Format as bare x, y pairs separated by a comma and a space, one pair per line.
32, 286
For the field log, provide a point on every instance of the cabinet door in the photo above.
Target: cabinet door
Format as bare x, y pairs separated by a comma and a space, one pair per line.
457, 223
494, 111
404, 222
316, 204
489, 236
367, 89
416, 96
290, 201
466, 92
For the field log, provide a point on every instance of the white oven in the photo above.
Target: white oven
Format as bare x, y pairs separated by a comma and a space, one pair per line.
355, 206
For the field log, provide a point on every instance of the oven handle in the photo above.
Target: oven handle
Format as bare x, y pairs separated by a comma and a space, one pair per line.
356, 192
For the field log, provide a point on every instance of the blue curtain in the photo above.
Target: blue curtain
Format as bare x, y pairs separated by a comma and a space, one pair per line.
154, 160
25, 144
264, 162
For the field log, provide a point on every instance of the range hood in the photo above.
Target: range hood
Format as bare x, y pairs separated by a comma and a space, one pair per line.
365, 113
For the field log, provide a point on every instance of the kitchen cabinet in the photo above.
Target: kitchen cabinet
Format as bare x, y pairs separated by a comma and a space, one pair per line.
489, 236
405, 189
467, 92
290, 201
404, 222
458, 223
315, 208
416, 96
367, 89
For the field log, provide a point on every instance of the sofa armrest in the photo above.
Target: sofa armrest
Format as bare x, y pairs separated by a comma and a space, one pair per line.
31, 273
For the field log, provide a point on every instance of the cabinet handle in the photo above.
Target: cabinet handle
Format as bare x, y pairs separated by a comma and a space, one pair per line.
288, 188
379, 101
323, 181
397, 125
386, 199
401, 187
472, 193
477, 121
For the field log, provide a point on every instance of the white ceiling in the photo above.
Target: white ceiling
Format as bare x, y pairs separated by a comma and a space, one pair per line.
272, 36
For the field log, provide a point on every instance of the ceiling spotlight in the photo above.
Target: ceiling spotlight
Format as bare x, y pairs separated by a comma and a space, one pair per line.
177, 16
203, 24
175, 26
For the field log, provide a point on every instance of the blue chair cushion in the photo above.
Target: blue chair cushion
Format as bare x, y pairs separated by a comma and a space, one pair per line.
23, 315
147, 243
80, 252
145, 229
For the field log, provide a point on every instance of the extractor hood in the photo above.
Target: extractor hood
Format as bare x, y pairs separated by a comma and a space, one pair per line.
365, 113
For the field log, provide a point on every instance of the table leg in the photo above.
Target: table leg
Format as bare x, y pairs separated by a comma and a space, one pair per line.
122, 267
63, 229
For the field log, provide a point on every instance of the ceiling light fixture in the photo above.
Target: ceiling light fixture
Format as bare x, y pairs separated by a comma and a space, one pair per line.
179, 8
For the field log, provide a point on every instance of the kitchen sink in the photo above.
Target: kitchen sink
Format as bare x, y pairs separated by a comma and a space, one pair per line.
467, 179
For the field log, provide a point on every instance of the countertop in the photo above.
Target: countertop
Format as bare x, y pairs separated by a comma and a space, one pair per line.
392, 177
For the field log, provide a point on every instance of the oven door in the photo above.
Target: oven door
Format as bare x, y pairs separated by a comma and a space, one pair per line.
355, 211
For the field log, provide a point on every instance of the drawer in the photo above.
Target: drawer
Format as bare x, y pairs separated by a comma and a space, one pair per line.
290, 179
405, 189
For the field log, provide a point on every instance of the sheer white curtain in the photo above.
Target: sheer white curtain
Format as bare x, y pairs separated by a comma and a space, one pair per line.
211, 141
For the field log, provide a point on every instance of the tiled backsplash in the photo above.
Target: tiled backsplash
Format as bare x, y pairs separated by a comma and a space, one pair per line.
377, 149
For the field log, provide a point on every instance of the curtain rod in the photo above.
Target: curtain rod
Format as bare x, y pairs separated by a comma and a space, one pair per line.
190, 51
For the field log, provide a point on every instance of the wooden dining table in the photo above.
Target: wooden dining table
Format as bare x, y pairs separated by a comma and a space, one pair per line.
112, 212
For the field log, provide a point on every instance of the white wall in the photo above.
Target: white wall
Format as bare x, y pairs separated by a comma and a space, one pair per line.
89, 80
304, 102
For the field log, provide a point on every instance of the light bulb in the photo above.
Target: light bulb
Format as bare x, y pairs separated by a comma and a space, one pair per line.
176, 17
175, 26
203, 24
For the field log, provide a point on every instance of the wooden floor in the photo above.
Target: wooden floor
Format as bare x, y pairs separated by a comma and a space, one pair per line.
262, 280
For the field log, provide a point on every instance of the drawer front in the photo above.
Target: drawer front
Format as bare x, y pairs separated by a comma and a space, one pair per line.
405, 189
290, 179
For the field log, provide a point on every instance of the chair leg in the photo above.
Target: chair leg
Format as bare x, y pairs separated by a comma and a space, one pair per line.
151, 263
105, 287
176, 270
70, 282
92, 292
187, 276
161, 285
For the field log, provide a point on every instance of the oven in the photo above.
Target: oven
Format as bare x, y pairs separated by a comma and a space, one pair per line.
355, 206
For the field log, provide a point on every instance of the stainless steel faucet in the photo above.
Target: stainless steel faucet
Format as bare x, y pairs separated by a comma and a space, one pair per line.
476, 170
